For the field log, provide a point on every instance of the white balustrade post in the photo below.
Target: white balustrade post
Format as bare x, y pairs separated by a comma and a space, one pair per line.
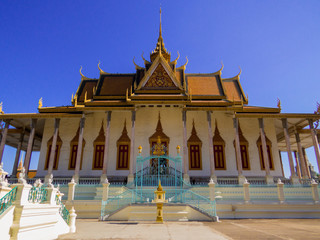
246, 192
315, 191
4, 186
71, 189
51, 191
105, 191
23, 189
280, 191
212, 185
72, 222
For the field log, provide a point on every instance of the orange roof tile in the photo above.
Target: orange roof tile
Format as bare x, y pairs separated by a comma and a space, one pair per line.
116, 85
204, 85
232, 90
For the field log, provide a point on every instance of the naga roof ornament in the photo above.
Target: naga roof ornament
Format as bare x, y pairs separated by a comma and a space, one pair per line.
82, 76
101, 71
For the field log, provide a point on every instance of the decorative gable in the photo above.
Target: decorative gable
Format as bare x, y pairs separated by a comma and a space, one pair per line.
160, 76
160, 79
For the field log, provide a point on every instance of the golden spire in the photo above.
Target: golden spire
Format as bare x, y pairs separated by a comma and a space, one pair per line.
160, 49
1, 104
159, 186
20, 164
160, 27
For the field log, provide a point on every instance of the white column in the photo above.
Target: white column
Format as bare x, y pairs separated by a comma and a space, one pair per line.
4, 138
132, 160
306, 160
30, 145
269, 179
210, 140
79, 150
18, 152
294, 178
238, 152
315, 142
302, 161
53, 146
106, 147
185, 147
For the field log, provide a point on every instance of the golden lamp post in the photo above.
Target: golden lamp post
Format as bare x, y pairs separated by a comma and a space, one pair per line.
160, 198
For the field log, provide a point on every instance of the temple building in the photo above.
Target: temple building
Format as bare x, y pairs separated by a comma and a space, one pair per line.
208, 116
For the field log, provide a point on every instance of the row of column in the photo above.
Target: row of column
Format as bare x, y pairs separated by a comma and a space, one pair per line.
54, 143
19, 147
303, 166
294, 177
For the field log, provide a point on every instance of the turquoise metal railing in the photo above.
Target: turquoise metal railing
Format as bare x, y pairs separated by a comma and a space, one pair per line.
202, 203
7, 200
37, 195
117, 202
63, 211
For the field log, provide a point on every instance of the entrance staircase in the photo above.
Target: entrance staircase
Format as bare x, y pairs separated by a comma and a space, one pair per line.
135, 204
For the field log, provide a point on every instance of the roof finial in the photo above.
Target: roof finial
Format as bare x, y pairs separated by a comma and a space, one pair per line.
101, 71
160, 28
240, 71
82, 76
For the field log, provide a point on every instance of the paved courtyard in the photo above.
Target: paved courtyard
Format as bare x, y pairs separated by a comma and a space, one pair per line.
226, 229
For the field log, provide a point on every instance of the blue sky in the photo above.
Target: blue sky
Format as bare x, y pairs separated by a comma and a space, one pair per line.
44, 43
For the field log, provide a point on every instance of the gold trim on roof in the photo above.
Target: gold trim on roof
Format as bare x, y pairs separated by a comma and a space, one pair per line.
82, 76
101, 71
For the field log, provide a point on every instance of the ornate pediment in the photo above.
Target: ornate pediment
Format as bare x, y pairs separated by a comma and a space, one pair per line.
160, 79
159, 76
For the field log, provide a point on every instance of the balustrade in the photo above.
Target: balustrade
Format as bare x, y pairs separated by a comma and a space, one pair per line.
7, 200
38, 195
63, 211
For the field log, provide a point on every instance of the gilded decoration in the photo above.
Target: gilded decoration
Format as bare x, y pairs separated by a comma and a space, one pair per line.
159, 148
160, 79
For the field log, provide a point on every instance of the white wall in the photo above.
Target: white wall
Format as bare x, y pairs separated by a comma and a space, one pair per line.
146, 122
